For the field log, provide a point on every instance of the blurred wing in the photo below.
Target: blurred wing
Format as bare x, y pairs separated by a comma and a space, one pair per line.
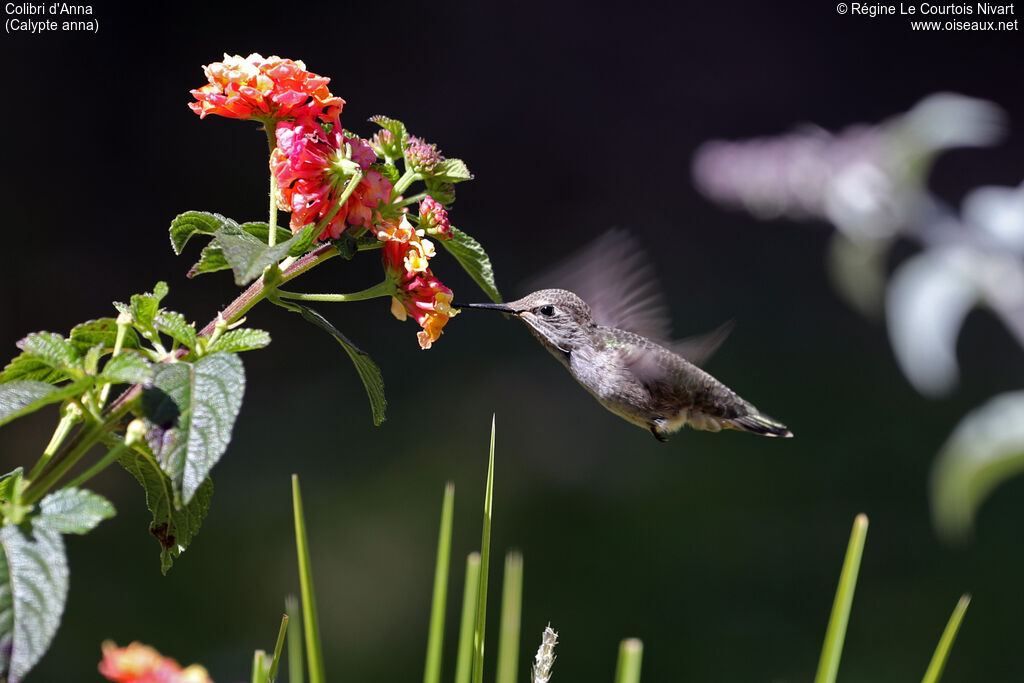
614, 277
700, 347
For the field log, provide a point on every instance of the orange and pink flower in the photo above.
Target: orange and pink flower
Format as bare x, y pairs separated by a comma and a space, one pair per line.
434, 218
263, 89
312, 168
138, 663
406, 256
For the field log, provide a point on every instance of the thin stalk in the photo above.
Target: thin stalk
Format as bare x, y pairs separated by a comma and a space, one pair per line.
259, 669
511, 609
435, 637
281, 632
408, 178
122, 329
350, 186
291, 606
312, 628
828, 664
385, 288
59, 434
113, 454
485, 556
406, 201
467, 626
938, 663
272, 213
59, 465
627, 670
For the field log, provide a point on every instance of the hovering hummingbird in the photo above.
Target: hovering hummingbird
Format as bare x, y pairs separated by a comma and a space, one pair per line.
613, 336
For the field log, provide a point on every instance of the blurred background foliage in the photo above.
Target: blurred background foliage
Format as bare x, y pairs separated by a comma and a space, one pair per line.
574, 120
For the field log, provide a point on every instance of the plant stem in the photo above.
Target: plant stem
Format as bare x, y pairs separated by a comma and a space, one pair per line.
385, 288
67, 458
291, 606
59, 434
277, 648
309, 619
435, 637
938, 663
628, 668
511, 609
828, 664
467, 625
272, 221
122, 329
112, 455
408, 178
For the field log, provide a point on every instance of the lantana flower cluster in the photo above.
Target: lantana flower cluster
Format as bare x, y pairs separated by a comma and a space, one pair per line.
327, 176
138, 663
419, 293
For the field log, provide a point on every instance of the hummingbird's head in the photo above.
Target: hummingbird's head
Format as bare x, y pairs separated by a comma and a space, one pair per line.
558, 318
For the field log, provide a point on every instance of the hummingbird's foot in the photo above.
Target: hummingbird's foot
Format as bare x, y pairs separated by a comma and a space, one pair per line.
657, 434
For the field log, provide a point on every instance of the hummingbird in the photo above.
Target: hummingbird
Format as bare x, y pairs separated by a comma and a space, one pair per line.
612, 333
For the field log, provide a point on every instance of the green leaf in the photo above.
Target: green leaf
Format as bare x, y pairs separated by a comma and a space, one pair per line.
435, 636
9, 483
128, 367
443, 192
511, 611
143, 308
938, 663
389, 171
51, 349
74, 511
33, 590
310, 622
211, 260
28, 366
241, 339
302, 240
474, 260
174, 326
485, 555
627, 668
208, 396
260, 231
102, 331
185, 225
396, 127
453, 171
984, 450
367, 369
467, 624
249, 256
174, 527
22, 397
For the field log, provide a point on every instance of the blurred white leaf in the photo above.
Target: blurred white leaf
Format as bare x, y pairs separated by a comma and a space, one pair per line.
985, 448
999, 213
945, 120
928, 298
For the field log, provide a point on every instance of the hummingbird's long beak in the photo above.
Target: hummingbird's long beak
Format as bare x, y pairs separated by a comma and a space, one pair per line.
504, 308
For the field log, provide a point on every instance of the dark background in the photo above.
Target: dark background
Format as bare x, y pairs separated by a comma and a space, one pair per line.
720, 551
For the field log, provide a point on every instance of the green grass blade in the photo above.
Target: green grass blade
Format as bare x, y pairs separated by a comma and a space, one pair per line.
291, 606
511, 608
628, 668
938, 663
309, 619
485, 557
435, 638
259, 669
464, 658
277, 649
828, 664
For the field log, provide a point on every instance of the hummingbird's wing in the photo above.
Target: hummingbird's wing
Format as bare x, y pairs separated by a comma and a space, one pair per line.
700, 347
615, 278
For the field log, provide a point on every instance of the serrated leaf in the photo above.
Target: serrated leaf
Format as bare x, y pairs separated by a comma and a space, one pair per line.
9, 482
242, 339
389, 171
396, 127
208, 395
210, 261
368, 371
33, 591
185, 225
145, 307
474, 260
74, 511
52, 349
248, 256
174, 527
985, 449
28, 366
174, 326
302, 240
102, 331
128, 367
453, 171
25, 396
91, 360
260, 230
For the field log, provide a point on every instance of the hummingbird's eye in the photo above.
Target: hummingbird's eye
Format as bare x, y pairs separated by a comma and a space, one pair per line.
546, 311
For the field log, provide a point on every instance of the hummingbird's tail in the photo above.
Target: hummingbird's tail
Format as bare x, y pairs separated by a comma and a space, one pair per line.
759, 423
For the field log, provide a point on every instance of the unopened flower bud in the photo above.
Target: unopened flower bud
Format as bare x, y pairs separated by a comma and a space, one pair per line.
434, 219
423, 157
